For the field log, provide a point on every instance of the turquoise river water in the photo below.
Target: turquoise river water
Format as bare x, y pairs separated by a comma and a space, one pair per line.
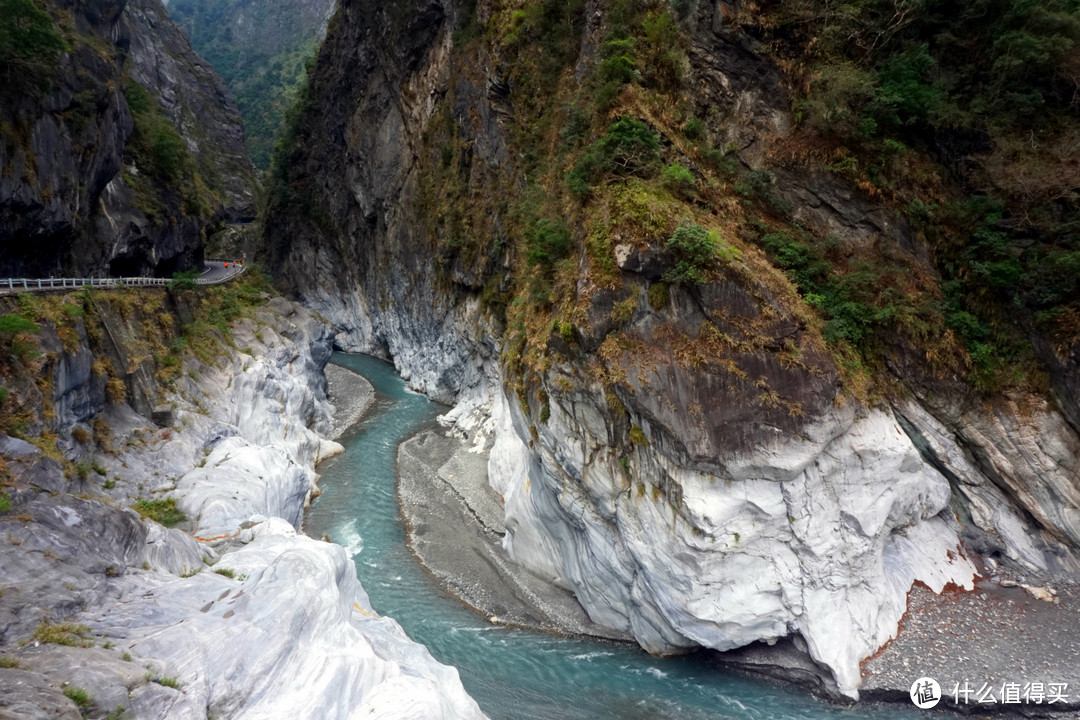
515, 674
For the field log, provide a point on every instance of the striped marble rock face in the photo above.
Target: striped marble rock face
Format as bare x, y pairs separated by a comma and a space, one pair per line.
819, 537
279, 625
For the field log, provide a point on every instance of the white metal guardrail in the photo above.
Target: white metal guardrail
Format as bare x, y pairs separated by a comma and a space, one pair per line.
17, 285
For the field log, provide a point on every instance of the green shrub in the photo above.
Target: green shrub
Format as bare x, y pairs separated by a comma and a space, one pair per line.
658, 295
184, 280
577, 124
16, 324
547, 242
5, 502
803, 262
851, 320
663, 56
678, 179
981, 63
695, 251
15, 329
694, 129
629, 148
163, 511
227, 572
761, 184
839, 95
618, 64
861, 302
906, 93
623, 312
555, 26
580, 177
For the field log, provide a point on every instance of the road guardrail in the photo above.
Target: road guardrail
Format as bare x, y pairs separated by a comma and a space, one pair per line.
17, 285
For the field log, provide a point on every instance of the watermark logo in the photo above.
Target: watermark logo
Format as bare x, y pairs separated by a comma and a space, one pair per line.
925, 693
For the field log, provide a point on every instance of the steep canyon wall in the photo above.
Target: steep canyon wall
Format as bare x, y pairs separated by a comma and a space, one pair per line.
476, 192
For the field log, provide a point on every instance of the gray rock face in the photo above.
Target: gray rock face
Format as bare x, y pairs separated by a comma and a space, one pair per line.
1015, 476
296, 636
30, 696
70, 146
196, 101
454, 523
821, 537
65, 205
64, 553
379, 288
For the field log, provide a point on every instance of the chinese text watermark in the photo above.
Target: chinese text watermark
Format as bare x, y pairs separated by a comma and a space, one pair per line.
927, 693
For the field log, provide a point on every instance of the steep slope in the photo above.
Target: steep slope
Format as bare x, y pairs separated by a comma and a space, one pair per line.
119, 145
726, 401
259, 48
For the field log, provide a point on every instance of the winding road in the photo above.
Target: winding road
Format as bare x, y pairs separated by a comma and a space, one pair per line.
217, 271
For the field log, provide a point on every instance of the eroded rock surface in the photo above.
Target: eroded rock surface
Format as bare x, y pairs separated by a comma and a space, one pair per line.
238, 617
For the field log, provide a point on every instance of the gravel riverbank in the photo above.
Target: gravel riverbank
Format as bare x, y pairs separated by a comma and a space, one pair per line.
351, 395
998, 639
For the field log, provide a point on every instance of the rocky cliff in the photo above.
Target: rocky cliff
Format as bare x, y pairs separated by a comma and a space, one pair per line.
119, 145
260, 50
152, 564
724, 400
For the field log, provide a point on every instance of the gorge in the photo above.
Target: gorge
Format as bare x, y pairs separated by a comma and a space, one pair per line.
760, 322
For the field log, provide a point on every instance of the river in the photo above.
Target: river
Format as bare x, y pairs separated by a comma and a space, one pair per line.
515, 674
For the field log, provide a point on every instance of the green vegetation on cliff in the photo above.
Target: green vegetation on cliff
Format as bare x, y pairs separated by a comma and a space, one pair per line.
963, 117
118, 146
259, 48
162, 159
614, 157
881, 191
30, 43
162, 511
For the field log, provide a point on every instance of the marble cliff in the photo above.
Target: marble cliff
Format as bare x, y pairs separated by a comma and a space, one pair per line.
479, 193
